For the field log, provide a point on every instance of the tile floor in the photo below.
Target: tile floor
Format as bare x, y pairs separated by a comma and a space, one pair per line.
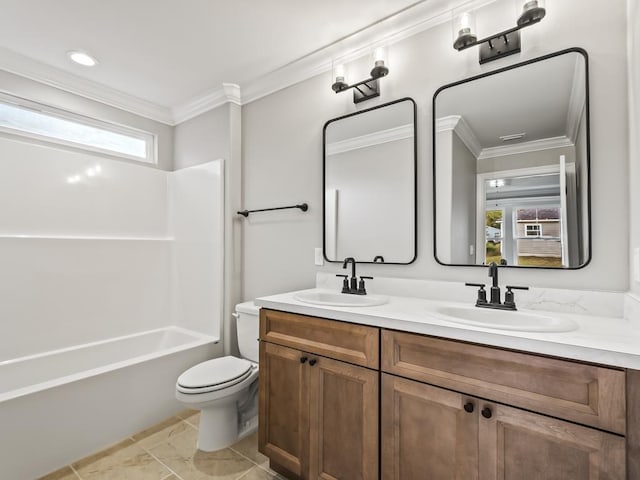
167, 451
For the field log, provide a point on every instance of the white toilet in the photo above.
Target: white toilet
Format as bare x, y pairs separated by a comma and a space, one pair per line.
225, 389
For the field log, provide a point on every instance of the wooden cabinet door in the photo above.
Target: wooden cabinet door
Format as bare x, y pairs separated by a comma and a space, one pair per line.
516, 445
343, 421
427, 433
284, 408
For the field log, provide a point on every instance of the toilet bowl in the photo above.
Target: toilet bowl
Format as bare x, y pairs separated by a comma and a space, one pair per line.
225, 389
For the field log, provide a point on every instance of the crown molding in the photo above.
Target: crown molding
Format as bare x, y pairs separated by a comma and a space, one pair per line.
458, 124
390, 30
526, 147
369, 140
54, 77
406, 23
230, 92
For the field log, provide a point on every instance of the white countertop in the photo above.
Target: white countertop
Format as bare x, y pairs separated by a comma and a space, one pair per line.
603, 340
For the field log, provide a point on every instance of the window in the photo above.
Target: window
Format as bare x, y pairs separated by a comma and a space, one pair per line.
533, 230
29, 119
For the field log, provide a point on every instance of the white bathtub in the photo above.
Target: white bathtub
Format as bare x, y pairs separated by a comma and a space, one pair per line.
59, 406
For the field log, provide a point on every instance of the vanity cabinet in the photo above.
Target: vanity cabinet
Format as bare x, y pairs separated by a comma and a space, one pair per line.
451, 435
431, 432
336, 395
319, 386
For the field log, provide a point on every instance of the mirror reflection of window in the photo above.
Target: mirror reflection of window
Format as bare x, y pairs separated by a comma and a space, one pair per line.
514, 141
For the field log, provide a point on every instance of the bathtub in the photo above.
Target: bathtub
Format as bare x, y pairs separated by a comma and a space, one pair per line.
59, 406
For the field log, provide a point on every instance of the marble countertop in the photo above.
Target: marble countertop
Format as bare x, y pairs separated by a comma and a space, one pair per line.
604, 340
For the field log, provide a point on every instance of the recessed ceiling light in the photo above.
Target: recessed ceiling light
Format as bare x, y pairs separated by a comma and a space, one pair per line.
82, 58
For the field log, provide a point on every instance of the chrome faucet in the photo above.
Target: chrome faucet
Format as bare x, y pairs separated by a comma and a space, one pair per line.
351, 285
495, 302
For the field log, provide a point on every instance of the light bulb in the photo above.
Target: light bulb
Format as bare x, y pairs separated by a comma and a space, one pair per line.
464, 30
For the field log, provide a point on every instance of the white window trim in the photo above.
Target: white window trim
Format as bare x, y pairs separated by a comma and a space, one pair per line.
150, 139
527, 231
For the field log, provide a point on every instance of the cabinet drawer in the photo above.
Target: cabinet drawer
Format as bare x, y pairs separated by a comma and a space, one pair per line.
573, 391
357, 344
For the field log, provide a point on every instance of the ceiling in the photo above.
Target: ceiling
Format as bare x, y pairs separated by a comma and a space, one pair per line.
543, 100
169, 53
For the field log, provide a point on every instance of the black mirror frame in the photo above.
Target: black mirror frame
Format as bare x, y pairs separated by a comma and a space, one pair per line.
415, 179
588, 150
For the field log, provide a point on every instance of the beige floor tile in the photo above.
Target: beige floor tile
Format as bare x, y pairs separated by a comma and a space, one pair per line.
65, 473
257, 473
124, 461
180, 454
193, 419
248, 447
161, 432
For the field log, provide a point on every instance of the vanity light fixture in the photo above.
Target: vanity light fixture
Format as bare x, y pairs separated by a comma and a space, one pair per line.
500, 44
366, 89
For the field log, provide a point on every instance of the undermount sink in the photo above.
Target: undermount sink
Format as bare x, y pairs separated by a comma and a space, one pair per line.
333, 299
507, 320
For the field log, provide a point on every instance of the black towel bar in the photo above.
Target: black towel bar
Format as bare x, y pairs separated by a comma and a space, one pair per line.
245, 213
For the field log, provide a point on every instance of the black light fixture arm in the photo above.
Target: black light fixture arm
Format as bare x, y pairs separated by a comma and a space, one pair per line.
245, 213
497, 36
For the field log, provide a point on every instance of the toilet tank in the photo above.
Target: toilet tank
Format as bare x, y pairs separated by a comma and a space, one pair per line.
248, 329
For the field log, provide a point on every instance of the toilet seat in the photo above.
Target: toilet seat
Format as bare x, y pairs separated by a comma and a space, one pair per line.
213, 375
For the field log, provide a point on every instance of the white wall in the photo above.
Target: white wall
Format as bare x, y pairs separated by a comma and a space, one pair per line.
282, 142
633, 7
463, 208
373, 184
82, 261
203, 138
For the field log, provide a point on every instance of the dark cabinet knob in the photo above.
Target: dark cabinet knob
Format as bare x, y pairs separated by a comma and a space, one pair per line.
468, 407
303, 359
312, 362
486, 412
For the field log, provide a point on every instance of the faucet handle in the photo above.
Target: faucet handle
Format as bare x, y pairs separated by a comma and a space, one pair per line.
361, 288
509, 299
345, 282
482, 293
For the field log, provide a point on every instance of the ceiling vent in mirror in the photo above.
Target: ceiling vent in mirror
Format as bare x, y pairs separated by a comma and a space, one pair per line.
510, 138
365, 89
500, 44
